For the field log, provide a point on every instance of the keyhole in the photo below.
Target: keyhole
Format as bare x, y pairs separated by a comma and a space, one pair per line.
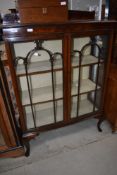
44, 10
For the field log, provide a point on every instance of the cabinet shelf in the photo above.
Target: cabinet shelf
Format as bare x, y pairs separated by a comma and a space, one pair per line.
86, 86
44, 94
45, 66
38, 67
42, 102
85, 107
86, 60
45, 117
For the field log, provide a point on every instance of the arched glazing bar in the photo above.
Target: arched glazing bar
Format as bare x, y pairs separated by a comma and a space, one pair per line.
94, 45
81, 55
26, 61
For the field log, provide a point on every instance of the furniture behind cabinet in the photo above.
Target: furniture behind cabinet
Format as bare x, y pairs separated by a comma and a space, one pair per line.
10, 142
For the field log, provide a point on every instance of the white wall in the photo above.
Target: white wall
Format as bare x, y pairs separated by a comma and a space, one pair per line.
6, 4
82, 4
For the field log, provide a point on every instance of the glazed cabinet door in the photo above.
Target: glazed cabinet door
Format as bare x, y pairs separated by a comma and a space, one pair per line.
39, 66
88, 62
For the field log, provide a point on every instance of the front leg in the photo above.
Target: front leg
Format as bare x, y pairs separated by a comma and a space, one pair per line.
27, 148
101, 119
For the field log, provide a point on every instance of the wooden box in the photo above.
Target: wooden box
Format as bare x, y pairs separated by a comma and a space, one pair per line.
34, 11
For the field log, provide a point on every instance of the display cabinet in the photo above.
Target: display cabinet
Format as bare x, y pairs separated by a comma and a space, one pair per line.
58, 71
10, 142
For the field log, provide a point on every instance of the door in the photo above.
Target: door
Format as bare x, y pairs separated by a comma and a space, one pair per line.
39, 71
87, 76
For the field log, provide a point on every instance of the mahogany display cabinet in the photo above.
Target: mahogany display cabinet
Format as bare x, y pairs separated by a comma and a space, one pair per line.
58, 72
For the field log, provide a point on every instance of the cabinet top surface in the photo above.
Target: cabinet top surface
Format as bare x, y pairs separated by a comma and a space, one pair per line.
22, 32
69, 22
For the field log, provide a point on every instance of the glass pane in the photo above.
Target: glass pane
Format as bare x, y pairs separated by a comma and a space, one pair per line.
44, 114
89, 55
39, 69
2, 142
40, 60
81, 106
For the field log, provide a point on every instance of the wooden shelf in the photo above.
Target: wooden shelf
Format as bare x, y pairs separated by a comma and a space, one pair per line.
45, 66
44, 117
85, 107
38, 67
44, 94
86, 60
86, 86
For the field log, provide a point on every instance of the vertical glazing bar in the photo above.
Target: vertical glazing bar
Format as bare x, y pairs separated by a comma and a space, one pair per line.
79, 81
29, 91
53, 87
79, 84
95, 95
97, 76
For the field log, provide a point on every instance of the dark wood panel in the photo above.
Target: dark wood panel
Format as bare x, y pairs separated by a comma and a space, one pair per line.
111, 97
37, 30
77, 14
113, 9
